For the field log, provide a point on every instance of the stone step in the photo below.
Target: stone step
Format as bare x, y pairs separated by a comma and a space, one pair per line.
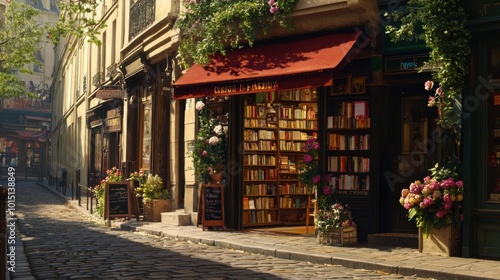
394, 239
178, 218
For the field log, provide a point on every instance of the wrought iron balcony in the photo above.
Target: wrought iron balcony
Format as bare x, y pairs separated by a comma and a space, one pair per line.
97, 79
142, 15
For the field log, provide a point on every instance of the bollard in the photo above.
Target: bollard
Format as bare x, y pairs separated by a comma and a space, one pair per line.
78, 188
64, 180
3, 231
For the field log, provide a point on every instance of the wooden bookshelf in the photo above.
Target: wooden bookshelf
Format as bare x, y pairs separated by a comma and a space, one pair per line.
348, 143
276, 126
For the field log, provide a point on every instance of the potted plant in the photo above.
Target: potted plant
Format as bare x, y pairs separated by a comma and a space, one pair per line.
210, 147
436, 206
112, 175
155, 198
334, 222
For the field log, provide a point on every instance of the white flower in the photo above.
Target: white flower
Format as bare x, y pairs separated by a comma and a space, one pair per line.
225, 129
213, 140
200, 105
218, 129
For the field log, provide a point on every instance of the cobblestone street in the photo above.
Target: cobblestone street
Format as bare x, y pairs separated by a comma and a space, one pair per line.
62, 243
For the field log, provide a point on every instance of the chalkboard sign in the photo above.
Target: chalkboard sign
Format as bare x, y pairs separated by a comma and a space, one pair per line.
212, 206
119, 201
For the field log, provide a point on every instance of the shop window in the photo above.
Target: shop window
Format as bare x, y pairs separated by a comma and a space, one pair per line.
8, 152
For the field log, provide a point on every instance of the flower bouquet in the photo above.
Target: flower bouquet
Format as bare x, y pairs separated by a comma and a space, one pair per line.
435, 202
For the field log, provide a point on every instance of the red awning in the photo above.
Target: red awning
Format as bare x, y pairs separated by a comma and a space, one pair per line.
269, 67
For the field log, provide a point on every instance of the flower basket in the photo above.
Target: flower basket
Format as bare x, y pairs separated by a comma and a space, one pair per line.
341, 236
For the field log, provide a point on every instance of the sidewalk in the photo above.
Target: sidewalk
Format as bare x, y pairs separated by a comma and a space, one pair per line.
397, 260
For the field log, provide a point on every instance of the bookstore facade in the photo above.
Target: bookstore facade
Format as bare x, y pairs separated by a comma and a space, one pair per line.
277, 101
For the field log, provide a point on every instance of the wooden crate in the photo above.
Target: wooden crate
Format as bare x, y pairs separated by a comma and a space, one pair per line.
342, 236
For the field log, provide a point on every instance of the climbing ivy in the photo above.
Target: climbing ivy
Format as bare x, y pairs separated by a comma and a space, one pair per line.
210, 26
444, 32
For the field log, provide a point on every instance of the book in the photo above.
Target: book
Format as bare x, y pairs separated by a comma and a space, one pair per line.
251, 204
246, 204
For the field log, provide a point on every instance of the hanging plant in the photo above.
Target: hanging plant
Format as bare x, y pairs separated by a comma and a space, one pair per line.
210, 26
445, 34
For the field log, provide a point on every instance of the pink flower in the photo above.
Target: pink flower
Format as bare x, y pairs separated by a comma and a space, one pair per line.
459, 184
441, 214
427, 179
316, 179
428, 85
434, 186
415, 187
308, 158
439, 92
326, 190
447, 205
432, 101
428, 201
315, 146
274, 9
204, 153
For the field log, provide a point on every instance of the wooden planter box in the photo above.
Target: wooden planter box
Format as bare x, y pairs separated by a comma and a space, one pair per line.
444, 241
342, 236
152, 212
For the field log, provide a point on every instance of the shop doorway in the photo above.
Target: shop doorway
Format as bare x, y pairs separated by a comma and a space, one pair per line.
410, 150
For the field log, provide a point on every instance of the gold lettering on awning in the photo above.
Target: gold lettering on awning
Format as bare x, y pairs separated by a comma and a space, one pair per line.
250, 87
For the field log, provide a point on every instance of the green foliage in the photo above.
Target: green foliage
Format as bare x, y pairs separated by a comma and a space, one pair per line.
77, 18
210, 147
443, 23
152, 188
20, 38
212, 26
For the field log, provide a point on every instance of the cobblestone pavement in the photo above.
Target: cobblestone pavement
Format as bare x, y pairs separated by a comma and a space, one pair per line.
62, 243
